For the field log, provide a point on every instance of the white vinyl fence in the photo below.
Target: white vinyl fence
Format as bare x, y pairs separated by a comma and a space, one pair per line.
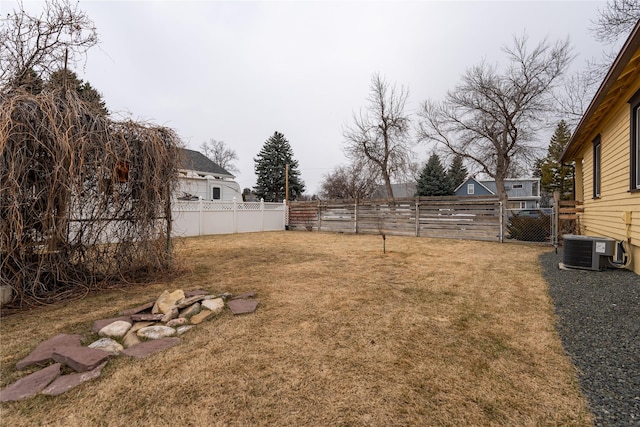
203, 217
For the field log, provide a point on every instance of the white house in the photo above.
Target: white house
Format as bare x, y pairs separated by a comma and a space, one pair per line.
201, 178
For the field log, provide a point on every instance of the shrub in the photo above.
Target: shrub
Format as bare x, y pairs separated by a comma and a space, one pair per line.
530, 229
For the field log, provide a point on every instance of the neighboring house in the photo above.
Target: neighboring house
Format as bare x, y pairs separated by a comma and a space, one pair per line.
201, 178
523, 193
606, 150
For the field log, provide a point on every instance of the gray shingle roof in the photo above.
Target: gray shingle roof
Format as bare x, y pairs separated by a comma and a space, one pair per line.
196, 161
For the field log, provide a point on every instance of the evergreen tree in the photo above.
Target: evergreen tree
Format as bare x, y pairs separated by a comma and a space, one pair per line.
270, 167
433, 179
553, 175
28, 81
456, 173
85, 91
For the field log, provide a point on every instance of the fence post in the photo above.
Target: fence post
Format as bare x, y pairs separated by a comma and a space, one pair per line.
285, 211
501, 222
200, 216
355, 216
319, 215
235, 215
555, 223
417, 216
261, 214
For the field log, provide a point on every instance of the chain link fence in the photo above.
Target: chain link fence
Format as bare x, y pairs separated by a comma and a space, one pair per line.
542, 225
531, 225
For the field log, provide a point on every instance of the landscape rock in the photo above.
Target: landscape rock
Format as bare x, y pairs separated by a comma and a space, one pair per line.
182, 329
215, 305
117, 329
242, 306
175, 309
147, 317
192, 300
137, 309
245, 295
131, 339
109, 345
156, 332
200, 317
67, 382
177, 322
31, 384
167, 301
43, 353
197, 292
191, 310
149, 347
99, 324
172, 314
80, 359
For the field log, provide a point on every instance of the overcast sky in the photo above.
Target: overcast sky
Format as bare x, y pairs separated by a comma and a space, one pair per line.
237, 71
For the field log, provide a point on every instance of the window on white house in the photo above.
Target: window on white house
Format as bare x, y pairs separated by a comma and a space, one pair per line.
216, 193
517, 186
470, 189
597, 162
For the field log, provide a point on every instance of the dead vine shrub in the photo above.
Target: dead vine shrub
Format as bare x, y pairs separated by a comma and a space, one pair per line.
84, 200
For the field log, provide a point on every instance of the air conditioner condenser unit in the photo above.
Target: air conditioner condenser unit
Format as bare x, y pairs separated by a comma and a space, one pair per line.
587, 252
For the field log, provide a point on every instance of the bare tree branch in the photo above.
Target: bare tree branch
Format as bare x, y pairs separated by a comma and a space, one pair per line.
616, 21
380, 134
220, 154
40, 43
355, 181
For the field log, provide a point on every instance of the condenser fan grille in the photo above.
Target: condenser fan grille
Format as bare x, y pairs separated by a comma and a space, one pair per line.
577, 253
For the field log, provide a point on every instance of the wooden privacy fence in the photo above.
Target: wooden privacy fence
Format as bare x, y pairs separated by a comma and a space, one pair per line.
568, 217
473, 218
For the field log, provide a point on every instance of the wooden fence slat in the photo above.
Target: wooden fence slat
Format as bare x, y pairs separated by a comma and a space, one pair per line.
454, 217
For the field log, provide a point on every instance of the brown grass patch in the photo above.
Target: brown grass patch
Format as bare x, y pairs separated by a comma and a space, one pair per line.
434, 332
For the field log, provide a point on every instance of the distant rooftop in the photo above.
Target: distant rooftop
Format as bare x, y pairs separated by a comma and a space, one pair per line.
198, 162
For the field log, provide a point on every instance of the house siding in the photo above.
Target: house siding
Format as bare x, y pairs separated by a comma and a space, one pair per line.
603, 216
478, 189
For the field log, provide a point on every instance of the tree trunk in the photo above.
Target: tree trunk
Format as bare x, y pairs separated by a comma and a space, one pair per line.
387, 185
504, 198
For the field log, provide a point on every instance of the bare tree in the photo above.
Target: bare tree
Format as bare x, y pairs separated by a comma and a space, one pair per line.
492, 117
616, 20
41, 44
354, 181
220, 154
380, 134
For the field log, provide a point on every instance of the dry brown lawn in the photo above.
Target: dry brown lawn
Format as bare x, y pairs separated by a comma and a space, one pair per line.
432, 333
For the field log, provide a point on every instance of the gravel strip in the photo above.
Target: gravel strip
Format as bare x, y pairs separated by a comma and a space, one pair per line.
598, 316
